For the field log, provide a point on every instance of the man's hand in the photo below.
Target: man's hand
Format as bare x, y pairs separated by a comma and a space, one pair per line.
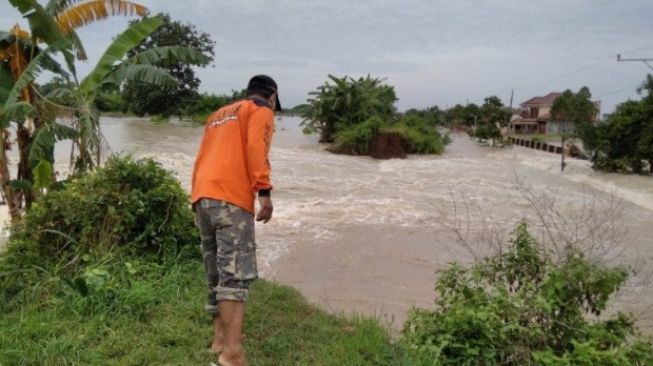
195, 222
265, 211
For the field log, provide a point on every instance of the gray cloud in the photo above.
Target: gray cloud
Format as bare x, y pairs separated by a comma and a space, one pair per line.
434, 52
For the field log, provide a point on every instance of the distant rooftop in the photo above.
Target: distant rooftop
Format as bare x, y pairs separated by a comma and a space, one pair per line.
545, 100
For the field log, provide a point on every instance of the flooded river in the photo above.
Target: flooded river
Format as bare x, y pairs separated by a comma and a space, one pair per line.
359, 235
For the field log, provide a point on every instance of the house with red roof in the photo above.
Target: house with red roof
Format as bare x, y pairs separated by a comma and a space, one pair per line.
535, 117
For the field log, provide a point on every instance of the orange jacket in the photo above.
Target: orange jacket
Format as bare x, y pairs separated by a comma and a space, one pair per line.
232, 163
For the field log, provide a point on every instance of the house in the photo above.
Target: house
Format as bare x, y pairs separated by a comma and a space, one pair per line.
535, 117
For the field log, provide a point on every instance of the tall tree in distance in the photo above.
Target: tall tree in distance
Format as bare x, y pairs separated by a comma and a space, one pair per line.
493, 111
143, 98
572, 111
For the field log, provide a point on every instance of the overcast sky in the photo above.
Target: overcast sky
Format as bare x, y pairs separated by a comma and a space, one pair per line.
432, 51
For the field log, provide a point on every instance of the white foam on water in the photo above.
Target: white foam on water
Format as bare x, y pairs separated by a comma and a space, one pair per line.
634, 189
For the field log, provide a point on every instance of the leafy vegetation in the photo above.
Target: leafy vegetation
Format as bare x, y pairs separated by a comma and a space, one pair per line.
420, 132
351, 113
32, 110
486, 120
127, 207
203, 105
522, 307
486, 131
460, 115
346, 103
147, 98
624, 142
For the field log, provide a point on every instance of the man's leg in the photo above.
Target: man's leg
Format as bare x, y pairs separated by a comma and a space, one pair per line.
204, 210
237, 270
218, 335
232, 314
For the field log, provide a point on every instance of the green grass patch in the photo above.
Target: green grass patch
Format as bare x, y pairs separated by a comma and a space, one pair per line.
160, 320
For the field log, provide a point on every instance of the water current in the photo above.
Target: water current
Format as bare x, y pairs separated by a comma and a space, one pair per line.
359, 235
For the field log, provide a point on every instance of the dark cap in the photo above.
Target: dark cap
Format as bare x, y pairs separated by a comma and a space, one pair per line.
267, 83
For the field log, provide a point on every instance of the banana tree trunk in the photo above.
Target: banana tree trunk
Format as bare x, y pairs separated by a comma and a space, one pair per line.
24, 139
12, 199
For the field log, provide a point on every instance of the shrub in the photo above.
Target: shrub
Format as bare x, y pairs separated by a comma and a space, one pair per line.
420, 133
522, 308
110, 102
486, 131
356, 140
205, 104
131, 208
420, 136
611, 165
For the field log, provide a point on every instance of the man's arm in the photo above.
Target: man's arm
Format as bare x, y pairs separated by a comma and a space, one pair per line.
259, 139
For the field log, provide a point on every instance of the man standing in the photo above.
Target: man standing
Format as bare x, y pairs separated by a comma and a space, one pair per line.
231, 168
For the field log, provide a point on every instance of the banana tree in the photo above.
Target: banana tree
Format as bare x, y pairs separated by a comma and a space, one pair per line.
112, 67
16, 107
58, 20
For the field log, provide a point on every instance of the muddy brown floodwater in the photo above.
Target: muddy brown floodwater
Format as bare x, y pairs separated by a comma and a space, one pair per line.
358, 235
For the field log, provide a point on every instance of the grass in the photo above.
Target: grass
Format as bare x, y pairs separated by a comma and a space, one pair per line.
159, 320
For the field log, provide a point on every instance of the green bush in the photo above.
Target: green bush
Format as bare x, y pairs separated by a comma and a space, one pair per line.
486, 131
126, 209
420, 136
420, 133
612, 165
110, 102
205, 104
522, 308
356, 139
346, 103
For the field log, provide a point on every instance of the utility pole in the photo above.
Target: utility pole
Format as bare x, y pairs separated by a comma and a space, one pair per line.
644, 60
512, 94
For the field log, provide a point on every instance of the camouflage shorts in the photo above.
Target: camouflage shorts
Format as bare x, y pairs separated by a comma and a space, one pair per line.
229, 250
